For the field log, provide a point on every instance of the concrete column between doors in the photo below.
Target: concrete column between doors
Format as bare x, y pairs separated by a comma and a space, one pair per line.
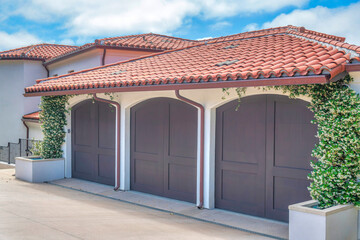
125, 148
209, 158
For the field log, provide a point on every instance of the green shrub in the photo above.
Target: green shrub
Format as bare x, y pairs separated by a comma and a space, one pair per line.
53, 120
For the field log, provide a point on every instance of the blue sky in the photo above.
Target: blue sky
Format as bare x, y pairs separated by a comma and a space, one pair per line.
76, 22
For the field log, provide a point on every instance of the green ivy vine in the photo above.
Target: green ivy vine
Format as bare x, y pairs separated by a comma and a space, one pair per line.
53, 121
336, 107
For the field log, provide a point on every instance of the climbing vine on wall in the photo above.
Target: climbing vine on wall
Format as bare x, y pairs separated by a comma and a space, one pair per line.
337, 114
53, 120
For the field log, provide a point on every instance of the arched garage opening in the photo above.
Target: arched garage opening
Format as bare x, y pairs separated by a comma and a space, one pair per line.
263, 154
164, 148
93, 142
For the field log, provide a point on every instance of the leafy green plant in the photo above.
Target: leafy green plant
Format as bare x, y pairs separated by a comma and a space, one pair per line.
36, 148
53, 120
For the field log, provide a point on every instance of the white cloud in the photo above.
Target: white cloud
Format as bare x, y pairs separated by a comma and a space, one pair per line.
341, 21
86, 18
15, 40
204, 38
226, 8
67, 41
251, 27
220, 25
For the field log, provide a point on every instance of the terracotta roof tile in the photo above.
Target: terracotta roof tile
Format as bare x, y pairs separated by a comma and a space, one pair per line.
260, 55
147, 41
32, 116
39, 52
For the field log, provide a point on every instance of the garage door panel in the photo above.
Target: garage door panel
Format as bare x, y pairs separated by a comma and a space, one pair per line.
148, 156
167, 165
83, 163
148, 128
242, 167
83, 137
106, 166
241, 134
181, 180
181, 125
106, 127
241, 182
291, 118
288, 172
95, 161
288, 191
147, 172
263, 155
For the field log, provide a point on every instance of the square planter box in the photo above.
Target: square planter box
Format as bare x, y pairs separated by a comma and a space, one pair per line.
33, 169
334, 223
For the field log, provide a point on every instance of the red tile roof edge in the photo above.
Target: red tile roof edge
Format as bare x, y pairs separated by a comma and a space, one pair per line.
82, 48
32, 116
330, 41
98, 43
7, 54
196, 79
116, 63
143, 34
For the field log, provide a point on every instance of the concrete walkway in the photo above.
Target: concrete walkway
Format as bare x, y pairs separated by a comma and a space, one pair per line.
46, 211
260, 226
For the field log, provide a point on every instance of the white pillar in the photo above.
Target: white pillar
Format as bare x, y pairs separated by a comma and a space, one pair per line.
67, 146
125, 149
209, 158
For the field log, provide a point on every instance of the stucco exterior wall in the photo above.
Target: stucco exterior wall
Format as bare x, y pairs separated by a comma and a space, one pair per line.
35, 131
78, 62
11, 101
113, 55
356, 83
33, 70
15, 76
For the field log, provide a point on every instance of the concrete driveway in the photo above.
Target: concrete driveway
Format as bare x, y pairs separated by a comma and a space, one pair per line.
44, 211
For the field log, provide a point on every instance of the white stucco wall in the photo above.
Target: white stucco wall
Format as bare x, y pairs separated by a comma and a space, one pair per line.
35, 131
356, 83
115, 55
209, 98
15, 75
11, 101
92, 58
33, 70
78, 62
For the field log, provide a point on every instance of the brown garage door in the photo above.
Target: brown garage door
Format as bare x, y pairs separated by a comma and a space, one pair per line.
263, 154
163, 148
93, 142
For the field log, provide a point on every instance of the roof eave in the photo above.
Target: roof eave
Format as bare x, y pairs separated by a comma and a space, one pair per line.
22, 58
76, 52
316, 79
33, 120
354, 67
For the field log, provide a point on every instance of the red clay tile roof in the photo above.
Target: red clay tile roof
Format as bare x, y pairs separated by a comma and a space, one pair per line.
278, 52
32, 116
148, 42
38, 52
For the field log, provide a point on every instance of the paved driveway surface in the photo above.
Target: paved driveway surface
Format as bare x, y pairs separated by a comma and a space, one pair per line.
44, 211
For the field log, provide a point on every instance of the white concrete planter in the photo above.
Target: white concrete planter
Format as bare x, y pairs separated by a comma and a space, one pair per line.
33, 169
338, 222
